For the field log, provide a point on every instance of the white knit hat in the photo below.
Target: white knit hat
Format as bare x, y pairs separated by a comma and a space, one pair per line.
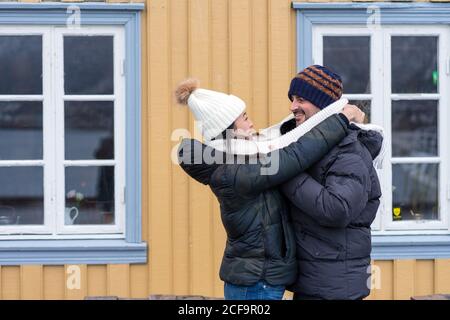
214, 111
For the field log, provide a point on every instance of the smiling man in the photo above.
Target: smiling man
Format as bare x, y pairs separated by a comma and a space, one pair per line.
334, 203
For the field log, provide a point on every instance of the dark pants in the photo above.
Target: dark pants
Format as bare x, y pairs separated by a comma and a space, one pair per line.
298, 296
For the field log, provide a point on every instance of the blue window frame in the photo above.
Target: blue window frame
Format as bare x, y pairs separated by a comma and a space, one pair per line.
394, 245
130, 249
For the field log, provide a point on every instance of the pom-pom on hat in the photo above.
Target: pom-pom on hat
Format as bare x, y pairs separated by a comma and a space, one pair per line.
215, 111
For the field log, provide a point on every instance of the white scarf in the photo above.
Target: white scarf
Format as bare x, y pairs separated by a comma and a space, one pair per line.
270, 138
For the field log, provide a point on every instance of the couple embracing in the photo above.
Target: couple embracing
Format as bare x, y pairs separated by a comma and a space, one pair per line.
303, 225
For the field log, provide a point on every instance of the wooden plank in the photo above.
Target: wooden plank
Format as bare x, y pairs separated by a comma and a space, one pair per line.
180, 120
118, 280
145, 130
54, 282
293, 46
75, 281
375, 281
200, 202
145, 151
220, 46
424, 278
240, 50
1, 288
385, 291
220, 82
442, 276
138, 281
96, 280
404, 271
280, 72
160, 230
10, 282
259, 81
31, 277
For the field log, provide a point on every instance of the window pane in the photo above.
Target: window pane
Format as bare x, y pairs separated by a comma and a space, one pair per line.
89, 130
20, 65
20, 130
88, 65
414, 128
350, 58
364, 105
414, 64
22, 197
415, 192
89, 195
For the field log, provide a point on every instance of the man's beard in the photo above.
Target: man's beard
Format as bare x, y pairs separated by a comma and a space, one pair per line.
299, 117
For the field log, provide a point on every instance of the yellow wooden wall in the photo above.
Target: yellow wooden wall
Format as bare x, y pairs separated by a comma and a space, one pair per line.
400, 279
246, 47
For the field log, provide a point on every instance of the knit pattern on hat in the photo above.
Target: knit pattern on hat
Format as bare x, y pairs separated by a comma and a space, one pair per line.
213, 111
318, 85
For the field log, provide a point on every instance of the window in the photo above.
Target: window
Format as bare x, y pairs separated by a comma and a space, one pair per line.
398, 71
61, 113
403, 96
70, 134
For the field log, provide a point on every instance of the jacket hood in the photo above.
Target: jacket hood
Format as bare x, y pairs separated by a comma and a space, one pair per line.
193, 158
372, 136
372, 140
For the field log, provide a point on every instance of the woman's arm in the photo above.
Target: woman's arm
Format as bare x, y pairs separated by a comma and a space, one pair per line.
286, 163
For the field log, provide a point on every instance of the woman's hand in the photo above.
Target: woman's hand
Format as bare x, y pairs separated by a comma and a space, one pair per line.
353, 113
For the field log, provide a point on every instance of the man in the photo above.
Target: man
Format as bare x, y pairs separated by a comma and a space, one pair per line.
334, 203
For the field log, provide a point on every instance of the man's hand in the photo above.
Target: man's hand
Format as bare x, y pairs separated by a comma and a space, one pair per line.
353, 113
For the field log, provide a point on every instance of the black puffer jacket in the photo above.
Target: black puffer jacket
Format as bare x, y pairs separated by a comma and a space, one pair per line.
260, 240
333, 205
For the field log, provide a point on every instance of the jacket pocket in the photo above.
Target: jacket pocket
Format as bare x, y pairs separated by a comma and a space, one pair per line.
312, 247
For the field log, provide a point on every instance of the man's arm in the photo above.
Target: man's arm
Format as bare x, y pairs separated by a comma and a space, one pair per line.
340, 200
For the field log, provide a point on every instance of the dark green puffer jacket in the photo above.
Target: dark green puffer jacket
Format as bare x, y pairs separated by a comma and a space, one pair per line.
260, 239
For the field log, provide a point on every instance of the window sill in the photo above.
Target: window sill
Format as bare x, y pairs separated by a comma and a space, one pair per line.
410, 247
61, 252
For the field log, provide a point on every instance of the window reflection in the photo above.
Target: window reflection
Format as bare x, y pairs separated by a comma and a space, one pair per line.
20, 64
415, 192
414, 128
20, 130
350, 58
90, 195
89, 130
21, 196
88, 65
414, 64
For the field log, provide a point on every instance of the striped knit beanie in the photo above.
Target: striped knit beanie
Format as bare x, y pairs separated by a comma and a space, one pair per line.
318, 85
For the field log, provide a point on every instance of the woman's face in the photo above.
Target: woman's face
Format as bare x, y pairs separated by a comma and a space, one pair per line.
243, 126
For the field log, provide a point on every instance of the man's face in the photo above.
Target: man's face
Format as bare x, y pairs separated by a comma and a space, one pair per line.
302, 109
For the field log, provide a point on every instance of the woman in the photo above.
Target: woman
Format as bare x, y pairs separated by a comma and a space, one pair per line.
259, 258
